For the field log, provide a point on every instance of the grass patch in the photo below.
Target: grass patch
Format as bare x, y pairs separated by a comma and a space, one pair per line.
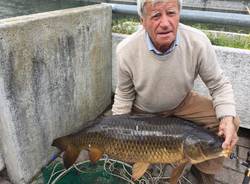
129, 24
220, 27
235, 41
125, 27
126, 24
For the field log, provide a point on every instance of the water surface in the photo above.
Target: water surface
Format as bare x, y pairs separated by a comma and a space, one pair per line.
12, 8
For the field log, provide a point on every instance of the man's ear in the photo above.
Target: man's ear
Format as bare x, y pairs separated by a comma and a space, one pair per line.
141, 21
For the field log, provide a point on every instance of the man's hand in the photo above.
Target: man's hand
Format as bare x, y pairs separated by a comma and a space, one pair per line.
228, 130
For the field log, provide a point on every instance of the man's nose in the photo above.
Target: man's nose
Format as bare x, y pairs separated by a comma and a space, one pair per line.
164, 21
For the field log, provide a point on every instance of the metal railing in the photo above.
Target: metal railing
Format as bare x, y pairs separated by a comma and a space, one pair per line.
233, 19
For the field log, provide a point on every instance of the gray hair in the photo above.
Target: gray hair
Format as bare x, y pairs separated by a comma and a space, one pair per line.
141, 3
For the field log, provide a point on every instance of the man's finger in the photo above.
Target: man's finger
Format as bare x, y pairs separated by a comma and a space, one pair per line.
234, 140
233, 143
226, 144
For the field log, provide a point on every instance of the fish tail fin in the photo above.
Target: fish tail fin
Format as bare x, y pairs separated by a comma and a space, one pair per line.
61, 143
71, 152
70, 155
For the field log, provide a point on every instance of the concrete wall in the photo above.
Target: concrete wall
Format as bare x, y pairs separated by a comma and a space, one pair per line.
55, 73
236, 65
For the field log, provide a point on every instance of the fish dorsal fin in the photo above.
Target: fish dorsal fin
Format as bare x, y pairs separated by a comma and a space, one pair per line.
139, 169
70, 155
176, 173
95, 154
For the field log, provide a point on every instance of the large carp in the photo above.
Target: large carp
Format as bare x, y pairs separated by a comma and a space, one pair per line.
143, 140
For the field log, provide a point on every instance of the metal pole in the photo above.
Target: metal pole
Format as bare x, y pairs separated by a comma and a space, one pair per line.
195, 16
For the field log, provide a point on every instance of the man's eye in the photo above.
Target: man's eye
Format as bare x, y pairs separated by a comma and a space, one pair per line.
155, 16
171, 13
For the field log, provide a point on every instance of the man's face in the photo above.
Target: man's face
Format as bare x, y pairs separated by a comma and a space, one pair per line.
161, 21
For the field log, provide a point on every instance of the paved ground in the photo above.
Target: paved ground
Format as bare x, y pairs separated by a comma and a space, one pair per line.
4, 177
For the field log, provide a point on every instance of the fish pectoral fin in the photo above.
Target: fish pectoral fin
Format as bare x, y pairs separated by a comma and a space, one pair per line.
95, 154
176, 173
70, 155
139, 169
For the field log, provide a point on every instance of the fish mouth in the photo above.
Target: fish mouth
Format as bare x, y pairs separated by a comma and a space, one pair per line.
216, 153
226, 152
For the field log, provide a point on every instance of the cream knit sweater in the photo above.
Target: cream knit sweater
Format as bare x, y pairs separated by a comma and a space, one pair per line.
155, 83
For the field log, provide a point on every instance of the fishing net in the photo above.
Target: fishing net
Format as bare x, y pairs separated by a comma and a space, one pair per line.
105, 171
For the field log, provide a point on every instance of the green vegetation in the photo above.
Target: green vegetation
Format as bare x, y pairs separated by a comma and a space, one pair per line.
128, 25
235, 41
125, 27
219, 27
124, 24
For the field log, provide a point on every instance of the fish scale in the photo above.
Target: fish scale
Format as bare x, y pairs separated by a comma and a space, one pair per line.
140, 145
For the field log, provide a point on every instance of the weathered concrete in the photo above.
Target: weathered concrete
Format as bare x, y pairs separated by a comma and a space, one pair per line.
4, 179
236, 65
55, 73
116, 38
2, 165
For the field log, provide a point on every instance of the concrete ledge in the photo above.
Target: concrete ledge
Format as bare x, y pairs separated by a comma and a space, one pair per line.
2, 164
234, 62
54, 74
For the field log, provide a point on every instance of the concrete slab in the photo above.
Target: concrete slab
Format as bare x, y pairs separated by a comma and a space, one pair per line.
54, 75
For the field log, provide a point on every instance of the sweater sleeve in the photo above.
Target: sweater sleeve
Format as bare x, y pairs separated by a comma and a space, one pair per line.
219, 86
125, 93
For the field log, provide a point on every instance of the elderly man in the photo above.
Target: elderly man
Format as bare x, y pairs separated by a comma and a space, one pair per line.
157, 67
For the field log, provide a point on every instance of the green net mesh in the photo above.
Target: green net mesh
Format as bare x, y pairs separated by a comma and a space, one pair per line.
102, 172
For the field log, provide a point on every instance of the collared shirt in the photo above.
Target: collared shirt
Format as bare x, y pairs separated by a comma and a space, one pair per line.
152, 48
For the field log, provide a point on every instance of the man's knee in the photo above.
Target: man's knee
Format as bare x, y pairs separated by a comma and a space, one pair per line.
211, 166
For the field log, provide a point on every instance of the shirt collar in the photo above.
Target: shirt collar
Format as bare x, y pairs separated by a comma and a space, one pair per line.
152, 48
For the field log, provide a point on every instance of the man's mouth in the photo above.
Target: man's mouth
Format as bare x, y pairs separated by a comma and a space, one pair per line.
164, 33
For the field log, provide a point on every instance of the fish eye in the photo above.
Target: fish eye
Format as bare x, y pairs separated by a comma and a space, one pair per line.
211, 142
